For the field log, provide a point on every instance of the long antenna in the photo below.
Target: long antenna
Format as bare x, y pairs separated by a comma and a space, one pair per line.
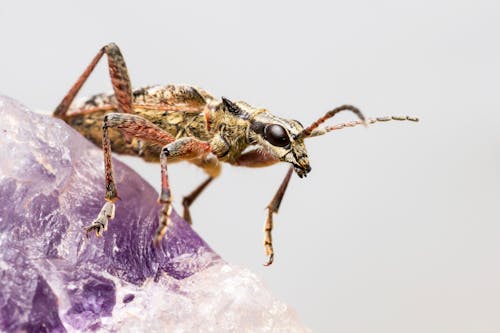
324, 130
307, 131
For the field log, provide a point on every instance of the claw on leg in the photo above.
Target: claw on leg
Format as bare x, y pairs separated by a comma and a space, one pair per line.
270, 260
100, 224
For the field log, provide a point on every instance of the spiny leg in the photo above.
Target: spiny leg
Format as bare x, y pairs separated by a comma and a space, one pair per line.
135, 126
189, 199
272, 208
185, 148
119, 79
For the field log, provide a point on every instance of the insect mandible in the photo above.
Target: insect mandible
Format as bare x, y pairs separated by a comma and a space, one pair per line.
186, 123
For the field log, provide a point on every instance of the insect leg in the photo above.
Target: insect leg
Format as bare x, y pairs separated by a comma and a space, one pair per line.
259, 158
135, 126
185, 148
189, 199
212, 166
119, 79
272, 208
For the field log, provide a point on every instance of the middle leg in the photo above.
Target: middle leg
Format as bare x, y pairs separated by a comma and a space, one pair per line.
212, 166
185, 148
189, 199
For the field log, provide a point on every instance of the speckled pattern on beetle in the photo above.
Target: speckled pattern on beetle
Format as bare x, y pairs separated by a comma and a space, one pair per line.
185, 123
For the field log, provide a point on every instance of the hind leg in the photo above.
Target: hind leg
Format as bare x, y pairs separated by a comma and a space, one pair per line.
119, 79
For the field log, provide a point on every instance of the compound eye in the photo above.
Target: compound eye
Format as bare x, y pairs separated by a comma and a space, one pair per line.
276, 135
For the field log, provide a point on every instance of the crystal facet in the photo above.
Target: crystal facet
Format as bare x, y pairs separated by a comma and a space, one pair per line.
53, 279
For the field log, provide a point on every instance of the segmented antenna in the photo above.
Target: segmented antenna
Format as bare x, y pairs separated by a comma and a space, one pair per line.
307, 131
324, 130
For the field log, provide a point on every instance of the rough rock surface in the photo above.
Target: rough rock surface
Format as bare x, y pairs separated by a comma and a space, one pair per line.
54, 280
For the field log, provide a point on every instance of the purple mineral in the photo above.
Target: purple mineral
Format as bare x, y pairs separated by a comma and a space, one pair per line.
53, 279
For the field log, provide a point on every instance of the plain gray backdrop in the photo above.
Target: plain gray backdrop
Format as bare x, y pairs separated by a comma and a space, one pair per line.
396, 229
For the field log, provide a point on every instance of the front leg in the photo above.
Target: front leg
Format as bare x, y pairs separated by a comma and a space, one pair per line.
273, 208
261, 158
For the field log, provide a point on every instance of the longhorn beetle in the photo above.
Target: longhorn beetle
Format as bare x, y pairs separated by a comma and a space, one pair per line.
185, 123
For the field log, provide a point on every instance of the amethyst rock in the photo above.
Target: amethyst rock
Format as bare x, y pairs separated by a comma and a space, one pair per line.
52, 279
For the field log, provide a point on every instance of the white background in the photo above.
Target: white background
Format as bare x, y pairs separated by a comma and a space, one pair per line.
396, 229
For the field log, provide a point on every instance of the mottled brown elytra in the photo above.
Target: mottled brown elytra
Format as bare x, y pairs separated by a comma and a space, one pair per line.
186, 123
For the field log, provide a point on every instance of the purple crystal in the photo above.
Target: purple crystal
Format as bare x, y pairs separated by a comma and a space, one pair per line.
54, 280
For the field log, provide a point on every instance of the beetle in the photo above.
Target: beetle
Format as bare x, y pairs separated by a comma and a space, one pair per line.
185, 123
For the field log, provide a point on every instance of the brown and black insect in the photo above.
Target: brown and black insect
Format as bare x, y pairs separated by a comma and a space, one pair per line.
185, 123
